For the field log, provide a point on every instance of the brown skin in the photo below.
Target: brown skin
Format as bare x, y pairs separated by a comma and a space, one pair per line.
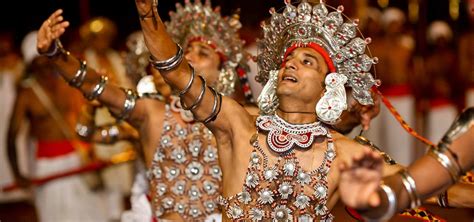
362, 175
205, 59
395, 57
29, 108
234, 126
9, 60
148, 114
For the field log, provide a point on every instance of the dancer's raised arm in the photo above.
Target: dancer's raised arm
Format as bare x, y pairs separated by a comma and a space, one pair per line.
207, 105
123, 103
431, 174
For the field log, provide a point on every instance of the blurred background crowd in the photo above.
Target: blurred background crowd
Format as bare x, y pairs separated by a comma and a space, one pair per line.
426, 68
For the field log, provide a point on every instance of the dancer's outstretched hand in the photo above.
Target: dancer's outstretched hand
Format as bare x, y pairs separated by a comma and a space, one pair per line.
50, 30
146, 8
360, 180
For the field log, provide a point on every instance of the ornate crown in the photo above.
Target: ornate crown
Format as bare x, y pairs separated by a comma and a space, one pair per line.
197, 21
305, 24
136, 59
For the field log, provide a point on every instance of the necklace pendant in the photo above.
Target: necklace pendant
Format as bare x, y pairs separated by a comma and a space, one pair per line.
283, 136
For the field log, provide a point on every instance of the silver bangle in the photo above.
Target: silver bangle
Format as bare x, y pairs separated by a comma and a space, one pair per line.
104, 133
215, 110
170, 63
451, 166
410, 187
198, 99
57, 47
80, 76
443, 199
129, 103
113, 132
190, 82
391, 208
98, 88
83, 130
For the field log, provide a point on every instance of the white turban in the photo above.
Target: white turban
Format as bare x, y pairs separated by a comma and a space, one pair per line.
392, 15
28, 47
439, 29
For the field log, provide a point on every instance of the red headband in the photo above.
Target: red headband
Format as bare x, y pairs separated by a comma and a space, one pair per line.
318, 49
211, 44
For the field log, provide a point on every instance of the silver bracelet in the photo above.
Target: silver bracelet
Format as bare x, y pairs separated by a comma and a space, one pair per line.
198, 99
215, 110
170, 63
104, 133
129, 103
83, 130
98, 89
80, 76
451, 166
410, 187
190, 82
113, 132
443, 199
57, 47
391, 208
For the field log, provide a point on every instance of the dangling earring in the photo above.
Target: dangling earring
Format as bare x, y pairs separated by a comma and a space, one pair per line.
329, 108
268, 100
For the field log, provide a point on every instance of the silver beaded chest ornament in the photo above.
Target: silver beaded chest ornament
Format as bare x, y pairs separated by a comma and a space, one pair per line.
185, 175
283, 191
313, 26
199, 22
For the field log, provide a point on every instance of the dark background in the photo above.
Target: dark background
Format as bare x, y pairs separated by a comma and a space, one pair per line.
22, 16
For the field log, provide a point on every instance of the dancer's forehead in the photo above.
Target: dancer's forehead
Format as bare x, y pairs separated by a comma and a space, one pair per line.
207, 46
311, 50
201, 45
305, 51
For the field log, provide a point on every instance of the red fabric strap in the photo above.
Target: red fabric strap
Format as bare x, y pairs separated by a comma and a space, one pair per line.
211, 44
318, 49
55, 148
400, 120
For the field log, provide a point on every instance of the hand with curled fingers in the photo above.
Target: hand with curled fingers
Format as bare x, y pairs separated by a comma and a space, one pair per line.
360, 180
51, 30
147, 9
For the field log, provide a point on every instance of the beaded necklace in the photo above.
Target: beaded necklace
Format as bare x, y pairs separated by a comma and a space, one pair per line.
283, 191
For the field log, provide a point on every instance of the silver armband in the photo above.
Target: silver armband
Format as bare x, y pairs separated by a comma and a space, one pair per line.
98, 89
391, 208
447, 162
170, 63
410, 187
80, 76
129, 103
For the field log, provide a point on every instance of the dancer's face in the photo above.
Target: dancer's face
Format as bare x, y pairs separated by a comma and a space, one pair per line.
302, 75
205, 60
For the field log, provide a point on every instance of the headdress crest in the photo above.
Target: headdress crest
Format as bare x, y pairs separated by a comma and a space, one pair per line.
308, 24
198, 21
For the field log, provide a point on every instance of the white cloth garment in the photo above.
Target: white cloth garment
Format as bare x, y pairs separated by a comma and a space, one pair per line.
8, 92
67, 199
118, 179
439, 119
140, 205
387, 133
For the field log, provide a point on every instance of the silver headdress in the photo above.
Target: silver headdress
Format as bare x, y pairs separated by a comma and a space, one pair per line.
314, 24
136, 63
197, 21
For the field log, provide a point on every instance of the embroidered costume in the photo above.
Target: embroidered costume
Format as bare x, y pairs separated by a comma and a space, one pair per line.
283, 191
185, 175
